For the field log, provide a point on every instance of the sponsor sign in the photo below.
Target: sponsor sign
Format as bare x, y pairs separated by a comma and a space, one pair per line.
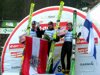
14, 61
6, 30
9, 23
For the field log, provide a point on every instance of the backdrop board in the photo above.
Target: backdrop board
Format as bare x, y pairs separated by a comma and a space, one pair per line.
43, 16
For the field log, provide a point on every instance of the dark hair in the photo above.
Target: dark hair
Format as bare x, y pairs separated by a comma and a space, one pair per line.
50, 23
34, 23
69, 23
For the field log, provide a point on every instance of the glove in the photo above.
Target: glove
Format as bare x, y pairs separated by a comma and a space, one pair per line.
57, 39
46, 37
79, 34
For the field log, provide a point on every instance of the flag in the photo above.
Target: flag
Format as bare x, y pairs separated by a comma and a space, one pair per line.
35, 56
88, 35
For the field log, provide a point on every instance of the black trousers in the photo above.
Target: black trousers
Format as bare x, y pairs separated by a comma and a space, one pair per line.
66, 49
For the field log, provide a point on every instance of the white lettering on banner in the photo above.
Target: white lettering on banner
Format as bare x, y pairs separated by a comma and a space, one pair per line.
17, 45
16, 50
6, 30
82, 45
82, 41
15, 58
16, 54
83, 50
9, 24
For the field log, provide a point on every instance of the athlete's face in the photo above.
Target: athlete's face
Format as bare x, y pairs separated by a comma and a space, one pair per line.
33, 26
50, 26
69, 26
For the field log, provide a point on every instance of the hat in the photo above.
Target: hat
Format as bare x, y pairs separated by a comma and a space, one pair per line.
34, 22
69, 23
50, 23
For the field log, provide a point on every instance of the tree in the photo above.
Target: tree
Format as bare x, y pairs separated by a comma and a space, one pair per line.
13, 9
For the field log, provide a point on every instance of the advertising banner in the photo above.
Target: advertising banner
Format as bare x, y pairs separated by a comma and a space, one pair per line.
9, 23
14, 59
6, 30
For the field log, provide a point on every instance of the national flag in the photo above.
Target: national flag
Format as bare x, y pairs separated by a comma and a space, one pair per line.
88, 35
35, 56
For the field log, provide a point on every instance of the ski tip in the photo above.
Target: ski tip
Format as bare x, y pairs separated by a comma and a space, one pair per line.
61, 2
32, 4
75, 11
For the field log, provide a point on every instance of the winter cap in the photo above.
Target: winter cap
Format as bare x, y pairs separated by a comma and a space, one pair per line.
34, 22
50, 23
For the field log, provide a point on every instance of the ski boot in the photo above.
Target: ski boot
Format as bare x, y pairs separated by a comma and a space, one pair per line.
65, 72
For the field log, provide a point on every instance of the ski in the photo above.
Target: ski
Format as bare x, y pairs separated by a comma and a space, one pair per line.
51, 54
30, 19
59, 14
72, 69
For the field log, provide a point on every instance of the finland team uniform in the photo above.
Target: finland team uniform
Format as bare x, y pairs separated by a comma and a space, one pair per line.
66, 49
